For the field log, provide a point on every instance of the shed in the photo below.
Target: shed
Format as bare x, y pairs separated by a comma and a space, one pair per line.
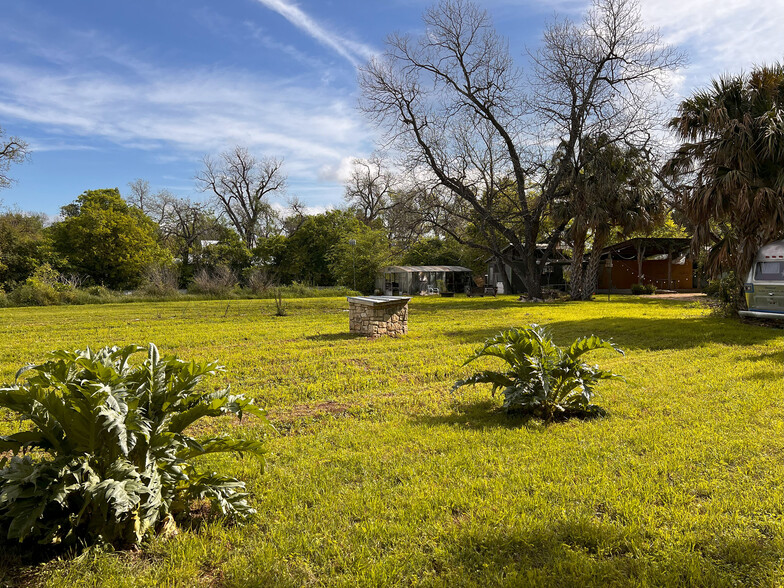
662, 261
421, 279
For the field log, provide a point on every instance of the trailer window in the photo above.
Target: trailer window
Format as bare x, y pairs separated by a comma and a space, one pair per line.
770, 271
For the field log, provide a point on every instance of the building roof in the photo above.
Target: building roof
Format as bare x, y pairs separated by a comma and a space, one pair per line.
424, 268
652, 246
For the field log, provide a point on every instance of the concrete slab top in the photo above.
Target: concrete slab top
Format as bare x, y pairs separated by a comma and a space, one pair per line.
378, 300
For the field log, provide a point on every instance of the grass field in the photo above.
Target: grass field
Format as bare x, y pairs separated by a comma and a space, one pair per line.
381, 476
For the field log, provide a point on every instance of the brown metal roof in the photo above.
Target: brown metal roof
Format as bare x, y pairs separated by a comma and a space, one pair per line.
651, 246
425, 268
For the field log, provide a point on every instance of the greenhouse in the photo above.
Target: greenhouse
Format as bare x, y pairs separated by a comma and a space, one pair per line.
423, 279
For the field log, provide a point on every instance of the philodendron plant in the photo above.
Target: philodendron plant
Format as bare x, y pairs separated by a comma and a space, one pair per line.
108, 458
542, 379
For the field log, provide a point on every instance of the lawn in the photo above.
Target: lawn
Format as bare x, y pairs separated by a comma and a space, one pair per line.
381, 476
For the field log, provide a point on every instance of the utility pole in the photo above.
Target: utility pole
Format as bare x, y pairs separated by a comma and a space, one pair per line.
353, 243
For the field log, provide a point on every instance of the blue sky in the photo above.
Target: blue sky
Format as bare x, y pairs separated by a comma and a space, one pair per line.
106, 92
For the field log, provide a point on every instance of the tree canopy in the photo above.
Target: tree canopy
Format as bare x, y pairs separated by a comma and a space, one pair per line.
454, 103
103, 237
729, 167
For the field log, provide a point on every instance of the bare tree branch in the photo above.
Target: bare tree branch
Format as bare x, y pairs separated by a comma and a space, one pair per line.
242, 185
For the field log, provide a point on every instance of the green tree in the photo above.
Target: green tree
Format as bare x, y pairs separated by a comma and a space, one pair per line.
23, 246
614, 190
306, 257
730, 166
104, 238
438, 251
230, 251
356, 265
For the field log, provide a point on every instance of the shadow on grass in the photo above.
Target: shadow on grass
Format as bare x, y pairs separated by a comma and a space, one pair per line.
600, 552
334, 337
21, 563
643, 332
445, 304
483, 414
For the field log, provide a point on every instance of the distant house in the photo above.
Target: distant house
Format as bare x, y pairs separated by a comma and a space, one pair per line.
415, 279
661, 261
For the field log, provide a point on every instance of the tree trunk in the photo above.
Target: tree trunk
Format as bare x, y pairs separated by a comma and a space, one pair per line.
591, 277
576, 268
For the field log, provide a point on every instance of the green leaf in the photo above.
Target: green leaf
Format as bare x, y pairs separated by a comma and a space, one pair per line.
543, 379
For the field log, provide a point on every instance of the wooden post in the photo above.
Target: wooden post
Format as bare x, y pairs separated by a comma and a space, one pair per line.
640, 253
669, 267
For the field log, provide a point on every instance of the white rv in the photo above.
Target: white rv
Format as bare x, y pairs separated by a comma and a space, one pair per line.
765, 285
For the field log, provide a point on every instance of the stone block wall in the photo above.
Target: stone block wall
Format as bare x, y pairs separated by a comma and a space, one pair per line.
376, 320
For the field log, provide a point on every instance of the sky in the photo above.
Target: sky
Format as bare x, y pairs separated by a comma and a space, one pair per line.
107, 92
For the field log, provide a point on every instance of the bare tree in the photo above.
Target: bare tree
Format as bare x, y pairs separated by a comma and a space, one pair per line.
184, 222
12, 150
295, 215
242, 185
405, 218
453, 101
139, 194
369, 189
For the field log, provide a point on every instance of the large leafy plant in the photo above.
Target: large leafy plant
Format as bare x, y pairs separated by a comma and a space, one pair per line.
107, 458
543, 379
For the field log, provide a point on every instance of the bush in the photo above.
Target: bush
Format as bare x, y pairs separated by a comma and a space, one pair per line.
112, 461
726, 296
259, 280
160, 280
34, 293
643, 289
543, 380
218, 282
99, 292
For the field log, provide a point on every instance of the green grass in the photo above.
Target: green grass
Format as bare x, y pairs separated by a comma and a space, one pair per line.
381, 476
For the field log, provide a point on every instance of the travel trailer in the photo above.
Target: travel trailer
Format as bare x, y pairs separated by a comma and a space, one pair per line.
765, 285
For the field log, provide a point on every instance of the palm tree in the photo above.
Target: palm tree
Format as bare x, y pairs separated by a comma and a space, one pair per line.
731, 166
614, 189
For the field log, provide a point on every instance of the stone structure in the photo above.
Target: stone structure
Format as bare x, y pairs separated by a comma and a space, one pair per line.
376, 316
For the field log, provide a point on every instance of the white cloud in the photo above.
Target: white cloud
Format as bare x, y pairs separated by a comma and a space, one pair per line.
720, 37
188, 112
353, 51
338, 172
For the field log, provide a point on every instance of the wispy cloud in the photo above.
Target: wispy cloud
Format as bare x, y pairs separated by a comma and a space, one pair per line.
728, 36
353, 51
195, 110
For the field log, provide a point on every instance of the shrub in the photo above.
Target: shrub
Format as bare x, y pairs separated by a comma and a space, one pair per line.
280, 308
218, 282
34, 293
160, 280
99, 292
543, 380
259, 280
725, 295
112, 461
643, 289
